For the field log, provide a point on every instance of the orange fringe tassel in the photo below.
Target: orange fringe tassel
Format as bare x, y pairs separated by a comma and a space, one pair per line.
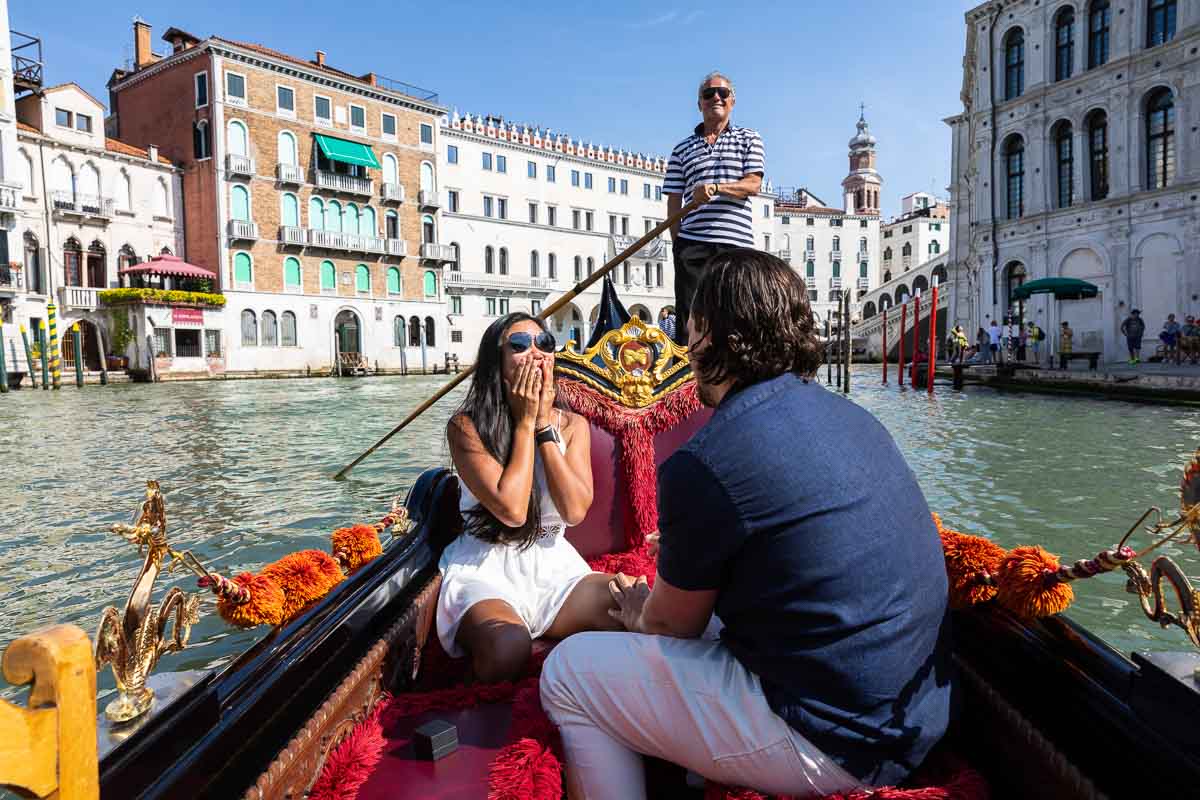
265, 606
356, 545
304, 577
1023, 585
971, 561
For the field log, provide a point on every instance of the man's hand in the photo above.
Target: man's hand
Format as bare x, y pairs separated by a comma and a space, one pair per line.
630, 596
652, 543
704, 192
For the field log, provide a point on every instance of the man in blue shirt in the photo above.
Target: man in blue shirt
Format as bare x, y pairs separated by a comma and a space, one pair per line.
795, 518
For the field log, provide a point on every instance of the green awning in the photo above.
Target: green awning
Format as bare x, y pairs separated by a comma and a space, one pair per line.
1061, 288
346, 151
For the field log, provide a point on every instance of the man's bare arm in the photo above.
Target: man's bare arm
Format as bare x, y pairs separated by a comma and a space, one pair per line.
746, 187
674, 203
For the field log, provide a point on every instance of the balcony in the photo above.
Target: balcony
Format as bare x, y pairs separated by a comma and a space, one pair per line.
289, 174
835, 283
290, 235
349, 184
391, 192
80, 298
428, 199
82, 205
10, 197
350, 242
835, 255
810, 255
239, 165
786, 255
239, 229
12, 279
396, 247
864, 255
864, 284
437, 252
454, 280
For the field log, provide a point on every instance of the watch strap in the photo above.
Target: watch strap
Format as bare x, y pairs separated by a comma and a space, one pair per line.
546, 434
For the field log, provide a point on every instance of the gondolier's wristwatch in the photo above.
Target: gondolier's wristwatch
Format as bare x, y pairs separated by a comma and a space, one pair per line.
547, 434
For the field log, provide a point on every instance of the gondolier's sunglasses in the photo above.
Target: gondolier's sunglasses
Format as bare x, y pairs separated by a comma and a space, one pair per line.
520, 342
723, 91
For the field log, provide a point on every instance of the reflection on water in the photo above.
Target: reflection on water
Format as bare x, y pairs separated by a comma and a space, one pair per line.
246, 465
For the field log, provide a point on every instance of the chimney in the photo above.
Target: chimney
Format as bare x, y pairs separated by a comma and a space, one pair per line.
152, 153
320, 58
142, 55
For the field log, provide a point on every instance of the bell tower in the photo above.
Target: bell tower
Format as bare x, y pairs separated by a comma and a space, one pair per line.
863, 184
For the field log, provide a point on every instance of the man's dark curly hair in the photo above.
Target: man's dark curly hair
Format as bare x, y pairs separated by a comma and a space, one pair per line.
754, 309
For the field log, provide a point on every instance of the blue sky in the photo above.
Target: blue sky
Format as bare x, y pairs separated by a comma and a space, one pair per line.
614, 73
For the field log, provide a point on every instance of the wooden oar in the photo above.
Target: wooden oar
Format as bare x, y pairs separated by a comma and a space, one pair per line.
545, 313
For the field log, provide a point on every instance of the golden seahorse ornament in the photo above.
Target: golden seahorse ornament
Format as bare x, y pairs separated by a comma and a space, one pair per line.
133, 640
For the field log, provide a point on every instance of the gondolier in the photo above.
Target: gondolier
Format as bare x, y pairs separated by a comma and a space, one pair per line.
722, 165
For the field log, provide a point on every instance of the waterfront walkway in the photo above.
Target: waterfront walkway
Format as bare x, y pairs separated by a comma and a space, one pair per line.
1150, 381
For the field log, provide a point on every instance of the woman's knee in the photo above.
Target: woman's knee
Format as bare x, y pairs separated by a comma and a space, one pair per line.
501, 652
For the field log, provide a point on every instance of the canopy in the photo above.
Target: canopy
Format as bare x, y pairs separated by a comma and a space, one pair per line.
1061, 288
346, 151
169, 265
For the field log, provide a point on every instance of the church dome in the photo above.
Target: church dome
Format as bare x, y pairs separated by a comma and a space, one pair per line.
863, 138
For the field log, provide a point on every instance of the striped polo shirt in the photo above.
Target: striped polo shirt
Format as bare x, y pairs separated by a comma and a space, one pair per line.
736, 153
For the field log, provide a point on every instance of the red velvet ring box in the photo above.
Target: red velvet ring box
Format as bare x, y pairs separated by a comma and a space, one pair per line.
435, 739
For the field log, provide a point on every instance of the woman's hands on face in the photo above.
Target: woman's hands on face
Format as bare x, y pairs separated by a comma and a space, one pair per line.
546, 398
525, 391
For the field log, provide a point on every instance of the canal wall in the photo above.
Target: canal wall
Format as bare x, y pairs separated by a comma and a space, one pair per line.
1117, 383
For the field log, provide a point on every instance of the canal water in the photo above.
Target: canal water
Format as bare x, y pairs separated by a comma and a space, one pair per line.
246, 468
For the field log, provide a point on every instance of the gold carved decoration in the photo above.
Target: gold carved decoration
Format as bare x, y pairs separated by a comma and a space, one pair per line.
133, 640
1148, 586
633, 364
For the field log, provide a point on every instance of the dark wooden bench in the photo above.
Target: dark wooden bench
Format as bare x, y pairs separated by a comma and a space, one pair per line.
1092, 356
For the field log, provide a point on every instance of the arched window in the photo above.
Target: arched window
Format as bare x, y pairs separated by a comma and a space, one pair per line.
427, 177
164, 251
428, 230
239, 140
291, 210
810, 269
456, 263
366, 223
431, 288
837, 244
316, 214
391, 173
393, 280
809, 244
350, 218
1014, 64
1160, 26
333, 216
62, 180
1160, 139
249, 329
887, 275
291, 274
503, 260
398, 332
270, 329
241, 202
862, 245
328, 277
287, 329
414, 332
591, 266
124, 192
126, 258
162, 199
906, 250
489, 260
1014, 177
287, 149
887, 254
243, 269
552, 266
33, 264
934, 247
391, 224
1064, 44
862, 269
837, 269
26, 166
429, 333
533, 263
362, 279
648, 275
1064, 157
1014, 276
578, 268
1099, 26
200, 148
1097, 127
89, 185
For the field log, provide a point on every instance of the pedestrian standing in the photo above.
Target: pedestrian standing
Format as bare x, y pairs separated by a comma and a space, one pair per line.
721, 165
994, 338
1134, 328
1170, 338
1065, 344
1036, 334
666, 321
982, 349
1022, 341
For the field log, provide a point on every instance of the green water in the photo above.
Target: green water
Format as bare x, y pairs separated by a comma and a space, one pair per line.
246, 465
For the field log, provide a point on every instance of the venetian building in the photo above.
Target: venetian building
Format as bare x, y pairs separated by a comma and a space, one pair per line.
862, 185
1077, 154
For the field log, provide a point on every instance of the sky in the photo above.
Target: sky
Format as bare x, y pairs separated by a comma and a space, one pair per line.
617, 73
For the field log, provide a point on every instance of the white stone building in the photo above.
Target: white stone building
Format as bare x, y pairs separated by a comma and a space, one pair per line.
530, 212
1077, 154
920, 233
88, 205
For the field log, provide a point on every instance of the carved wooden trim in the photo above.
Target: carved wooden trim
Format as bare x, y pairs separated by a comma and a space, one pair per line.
293, 772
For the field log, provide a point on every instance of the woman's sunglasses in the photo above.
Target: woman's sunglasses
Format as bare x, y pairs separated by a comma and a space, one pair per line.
723, 91
520, 342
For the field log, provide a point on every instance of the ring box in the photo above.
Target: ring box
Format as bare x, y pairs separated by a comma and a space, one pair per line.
435, 739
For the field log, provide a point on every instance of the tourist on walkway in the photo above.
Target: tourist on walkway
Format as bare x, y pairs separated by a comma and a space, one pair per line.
994, 340
982, 346
1170, 338
722, 166
832, 669
666, 321
1022, 340
524, 464
1065, 343
1035, 336
958, 344
1134, 328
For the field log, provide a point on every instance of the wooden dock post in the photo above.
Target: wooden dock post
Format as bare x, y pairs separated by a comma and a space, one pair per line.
885, 347
828, 354
45, 348
3, 363
29, 358
958, 369
900, 345
55, 355
848, 344
77, 341
841, 324
932, 338
103, 354
916, 343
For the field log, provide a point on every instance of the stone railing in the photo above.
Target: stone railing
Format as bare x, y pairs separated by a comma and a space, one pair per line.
351, 242
290, 234
397, 247
289, 173
84, 298
391, 192
344, 183
88, 205
240, 229
454, 279
437, 252
239, 165
10, 197
428, 199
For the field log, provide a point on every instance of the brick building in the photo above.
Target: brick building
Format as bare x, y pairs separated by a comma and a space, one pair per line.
311, 192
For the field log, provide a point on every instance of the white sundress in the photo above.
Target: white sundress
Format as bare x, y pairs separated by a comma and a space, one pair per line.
535, 581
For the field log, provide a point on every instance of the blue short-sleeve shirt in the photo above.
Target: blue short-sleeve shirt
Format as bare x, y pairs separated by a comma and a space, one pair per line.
796, 506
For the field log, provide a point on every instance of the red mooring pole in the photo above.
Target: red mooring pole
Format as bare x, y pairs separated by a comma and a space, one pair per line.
885, 347
932, 337
912, 378
900, 345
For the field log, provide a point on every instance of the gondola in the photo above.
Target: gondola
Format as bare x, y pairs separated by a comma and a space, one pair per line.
336, 700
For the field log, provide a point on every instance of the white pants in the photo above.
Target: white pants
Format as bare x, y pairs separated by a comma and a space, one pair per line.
689, 701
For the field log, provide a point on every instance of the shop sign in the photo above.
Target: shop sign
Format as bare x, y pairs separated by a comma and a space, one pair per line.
187, 316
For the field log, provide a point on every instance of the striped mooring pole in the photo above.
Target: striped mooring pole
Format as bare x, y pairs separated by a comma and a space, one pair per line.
78, 341
45, 348
29, 358
3, 364
55, 358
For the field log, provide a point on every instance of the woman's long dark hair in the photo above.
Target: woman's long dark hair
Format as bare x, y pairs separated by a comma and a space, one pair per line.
487, 406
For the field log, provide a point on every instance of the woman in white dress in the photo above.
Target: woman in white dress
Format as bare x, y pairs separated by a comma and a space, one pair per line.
525, 468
